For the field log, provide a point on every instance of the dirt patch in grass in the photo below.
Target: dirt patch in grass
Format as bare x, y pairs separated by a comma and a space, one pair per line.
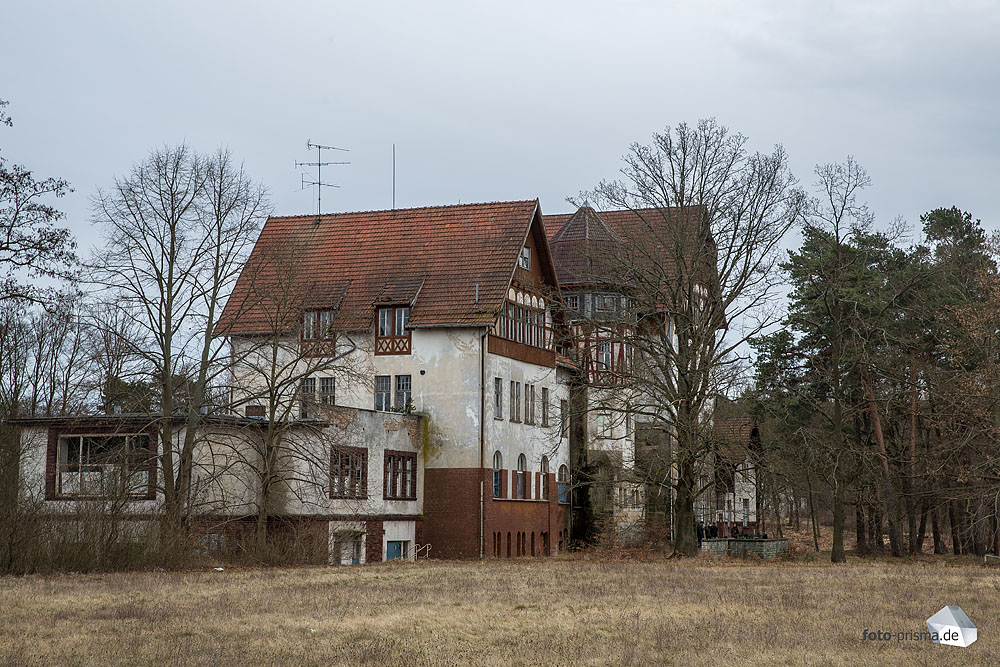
579, 609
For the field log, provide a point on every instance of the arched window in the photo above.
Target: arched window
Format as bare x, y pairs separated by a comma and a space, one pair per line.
544, 469
563, 479
497, 477
522, 465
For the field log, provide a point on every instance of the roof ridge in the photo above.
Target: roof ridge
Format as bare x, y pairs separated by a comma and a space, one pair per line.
397, 210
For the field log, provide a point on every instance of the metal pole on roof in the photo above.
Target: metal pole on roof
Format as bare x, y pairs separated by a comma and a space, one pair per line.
394, 176
319, 164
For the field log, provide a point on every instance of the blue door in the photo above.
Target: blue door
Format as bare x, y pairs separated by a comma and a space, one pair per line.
395, 550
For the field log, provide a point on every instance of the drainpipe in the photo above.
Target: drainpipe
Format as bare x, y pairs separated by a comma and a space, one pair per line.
482, 441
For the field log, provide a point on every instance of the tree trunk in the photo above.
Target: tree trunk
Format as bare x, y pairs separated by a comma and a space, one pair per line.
812, 514
861, 548
911, 477
939, 546
685, 540
838, 555
888, 493
922, 529
956, 542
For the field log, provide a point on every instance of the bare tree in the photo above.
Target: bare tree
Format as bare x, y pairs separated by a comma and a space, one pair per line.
31, 246
277, 370
698, 263
177, 228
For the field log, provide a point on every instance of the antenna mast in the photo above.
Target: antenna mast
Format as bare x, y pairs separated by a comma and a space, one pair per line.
319, 164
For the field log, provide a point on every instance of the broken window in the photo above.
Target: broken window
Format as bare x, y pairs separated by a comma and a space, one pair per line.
349, 472
400, 470
403, 393
104, 465
563, 482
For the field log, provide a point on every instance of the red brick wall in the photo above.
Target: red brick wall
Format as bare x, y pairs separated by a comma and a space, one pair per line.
451, 516
373, 541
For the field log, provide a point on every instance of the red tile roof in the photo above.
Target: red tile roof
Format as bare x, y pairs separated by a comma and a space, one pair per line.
588, 229
451, 264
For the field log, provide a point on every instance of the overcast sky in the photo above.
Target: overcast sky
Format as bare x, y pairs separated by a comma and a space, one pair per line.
505, 101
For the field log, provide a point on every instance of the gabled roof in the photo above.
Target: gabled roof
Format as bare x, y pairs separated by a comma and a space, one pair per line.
451, 264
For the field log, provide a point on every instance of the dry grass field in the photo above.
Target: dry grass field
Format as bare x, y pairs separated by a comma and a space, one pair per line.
567, 610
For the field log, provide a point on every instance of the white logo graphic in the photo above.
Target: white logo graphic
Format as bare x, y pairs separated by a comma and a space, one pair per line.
952, 627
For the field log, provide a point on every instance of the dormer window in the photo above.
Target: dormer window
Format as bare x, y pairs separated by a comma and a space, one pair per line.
317, 325
392, 331
524, 261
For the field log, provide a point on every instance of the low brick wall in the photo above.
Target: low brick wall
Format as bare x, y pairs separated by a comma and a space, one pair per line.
765, 549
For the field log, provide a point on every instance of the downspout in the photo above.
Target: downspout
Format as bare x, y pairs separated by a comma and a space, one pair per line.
482, 441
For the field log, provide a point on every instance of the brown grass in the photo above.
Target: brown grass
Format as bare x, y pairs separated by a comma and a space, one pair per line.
568, 610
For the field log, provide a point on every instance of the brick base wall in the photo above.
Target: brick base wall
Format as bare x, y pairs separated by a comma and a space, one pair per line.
451, 517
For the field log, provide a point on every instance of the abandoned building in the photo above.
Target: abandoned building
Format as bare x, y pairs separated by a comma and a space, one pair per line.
419, 382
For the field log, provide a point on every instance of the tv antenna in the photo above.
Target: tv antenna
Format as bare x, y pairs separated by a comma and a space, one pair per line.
319, 164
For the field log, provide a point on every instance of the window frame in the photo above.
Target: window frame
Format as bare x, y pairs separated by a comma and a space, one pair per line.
327, 390
394, 473
123, 465
344, 462
386, 394
307, 397
545, 406
388, 337
498, 398
407, 393
497, 474
524, 258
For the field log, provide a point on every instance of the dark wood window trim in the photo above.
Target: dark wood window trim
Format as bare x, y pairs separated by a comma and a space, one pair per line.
399, 475
392, 335
52, 490
349, 472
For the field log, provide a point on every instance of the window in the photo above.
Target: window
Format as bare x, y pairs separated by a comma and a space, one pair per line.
403, 394
545, 406
497, 398
307, 397
563, 481
383, 387
544, 469
604, 356
604, 302
327, 391
349, 472
521, 477
529, 404
563, 418
515, 401
573, 302
326, 324
400, 476
497, 475
385, 321
604, 425
392, 332
104, 465
524, 261
310, 326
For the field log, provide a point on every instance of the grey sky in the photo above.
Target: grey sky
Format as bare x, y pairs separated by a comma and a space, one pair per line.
506, 100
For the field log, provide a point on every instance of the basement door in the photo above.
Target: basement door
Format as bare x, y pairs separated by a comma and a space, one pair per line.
395, 549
